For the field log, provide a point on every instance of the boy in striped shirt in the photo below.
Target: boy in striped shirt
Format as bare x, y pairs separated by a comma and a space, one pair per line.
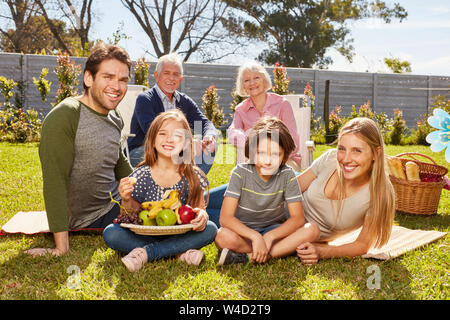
254, 222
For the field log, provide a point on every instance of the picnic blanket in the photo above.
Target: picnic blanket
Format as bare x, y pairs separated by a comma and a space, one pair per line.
401, 241
31, 222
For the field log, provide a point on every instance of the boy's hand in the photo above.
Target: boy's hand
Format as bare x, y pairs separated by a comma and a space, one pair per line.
268, 239
126, 187
259, 249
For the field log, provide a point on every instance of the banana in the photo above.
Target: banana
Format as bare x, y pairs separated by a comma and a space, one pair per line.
167, 194
170, 201
178, 216
154, 212
149, 204
173, 198
175, 205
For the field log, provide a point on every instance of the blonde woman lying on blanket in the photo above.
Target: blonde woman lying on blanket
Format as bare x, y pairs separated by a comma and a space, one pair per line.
344, 189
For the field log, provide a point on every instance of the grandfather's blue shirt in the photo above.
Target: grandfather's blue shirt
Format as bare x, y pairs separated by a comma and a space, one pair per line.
149, 105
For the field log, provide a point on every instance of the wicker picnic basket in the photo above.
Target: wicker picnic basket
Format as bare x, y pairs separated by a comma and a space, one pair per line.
416, 197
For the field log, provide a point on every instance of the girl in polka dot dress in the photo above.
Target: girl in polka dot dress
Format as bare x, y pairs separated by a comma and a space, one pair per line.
168, 165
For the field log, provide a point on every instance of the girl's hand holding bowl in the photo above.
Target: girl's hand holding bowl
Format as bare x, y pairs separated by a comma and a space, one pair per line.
199, 222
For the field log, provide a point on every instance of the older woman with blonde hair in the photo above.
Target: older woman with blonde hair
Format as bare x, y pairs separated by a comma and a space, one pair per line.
344, 189
253, 82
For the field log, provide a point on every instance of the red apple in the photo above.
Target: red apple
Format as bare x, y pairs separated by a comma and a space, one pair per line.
186, 214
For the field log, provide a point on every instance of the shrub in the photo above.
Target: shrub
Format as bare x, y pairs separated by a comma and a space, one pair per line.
315, 123
336, 121
384, 124
236, 100
317, 128
364, 111
27, 126
17, 125
141, 72
6, 87
308, 92
43, 85
318, 134
211, 106
67, 73
19, 96
399, 128
280, 80
441, 102
382, 120
419, 134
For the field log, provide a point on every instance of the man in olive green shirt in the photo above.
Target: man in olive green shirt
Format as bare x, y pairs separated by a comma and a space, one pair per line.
81, 158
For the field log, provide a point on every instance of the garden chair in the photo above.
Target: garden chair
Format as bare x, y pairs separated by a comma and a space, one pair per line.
126, 108
303, 121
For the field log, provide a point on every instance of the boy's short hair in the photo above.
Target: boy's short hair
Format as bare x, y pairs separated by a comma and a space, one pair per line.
101, 52
273, 129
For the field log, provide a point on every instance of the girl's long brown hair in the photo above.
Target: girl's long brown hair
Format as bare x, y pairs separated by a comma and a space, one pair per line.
187, 168
382, 195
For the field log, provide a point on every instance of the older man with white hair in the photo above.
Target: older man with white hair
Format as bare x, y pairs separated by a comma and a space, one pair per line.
162, 97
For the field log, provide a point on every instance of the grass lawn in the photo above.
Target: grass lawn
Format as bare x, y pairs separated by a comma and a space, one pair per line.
421, 274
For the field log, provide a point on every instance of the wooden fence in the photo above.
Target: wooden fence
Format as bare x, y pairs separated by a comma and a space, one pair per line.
411, 93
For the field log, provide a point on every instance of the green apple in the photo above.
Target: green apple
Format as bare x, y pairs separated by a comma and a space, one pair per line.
146, 220
166, 217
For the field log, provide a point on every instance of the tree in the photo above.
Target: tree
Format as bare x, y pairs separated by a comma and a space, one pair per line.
17, 13
184, 26
80, 22
397, 66
298, 32
118, 35
32, 25
35, 37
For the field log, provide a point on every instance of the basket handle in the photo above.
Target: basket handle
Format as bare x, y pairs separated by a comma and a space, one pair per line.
410, 154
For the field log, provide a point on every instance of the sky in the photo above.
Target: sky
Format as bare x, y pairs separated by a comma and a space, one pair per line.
423, 38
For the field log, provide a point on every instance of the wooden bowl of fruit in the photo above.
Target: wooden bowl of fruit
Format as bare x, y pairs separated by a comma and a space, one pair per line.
163, 217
